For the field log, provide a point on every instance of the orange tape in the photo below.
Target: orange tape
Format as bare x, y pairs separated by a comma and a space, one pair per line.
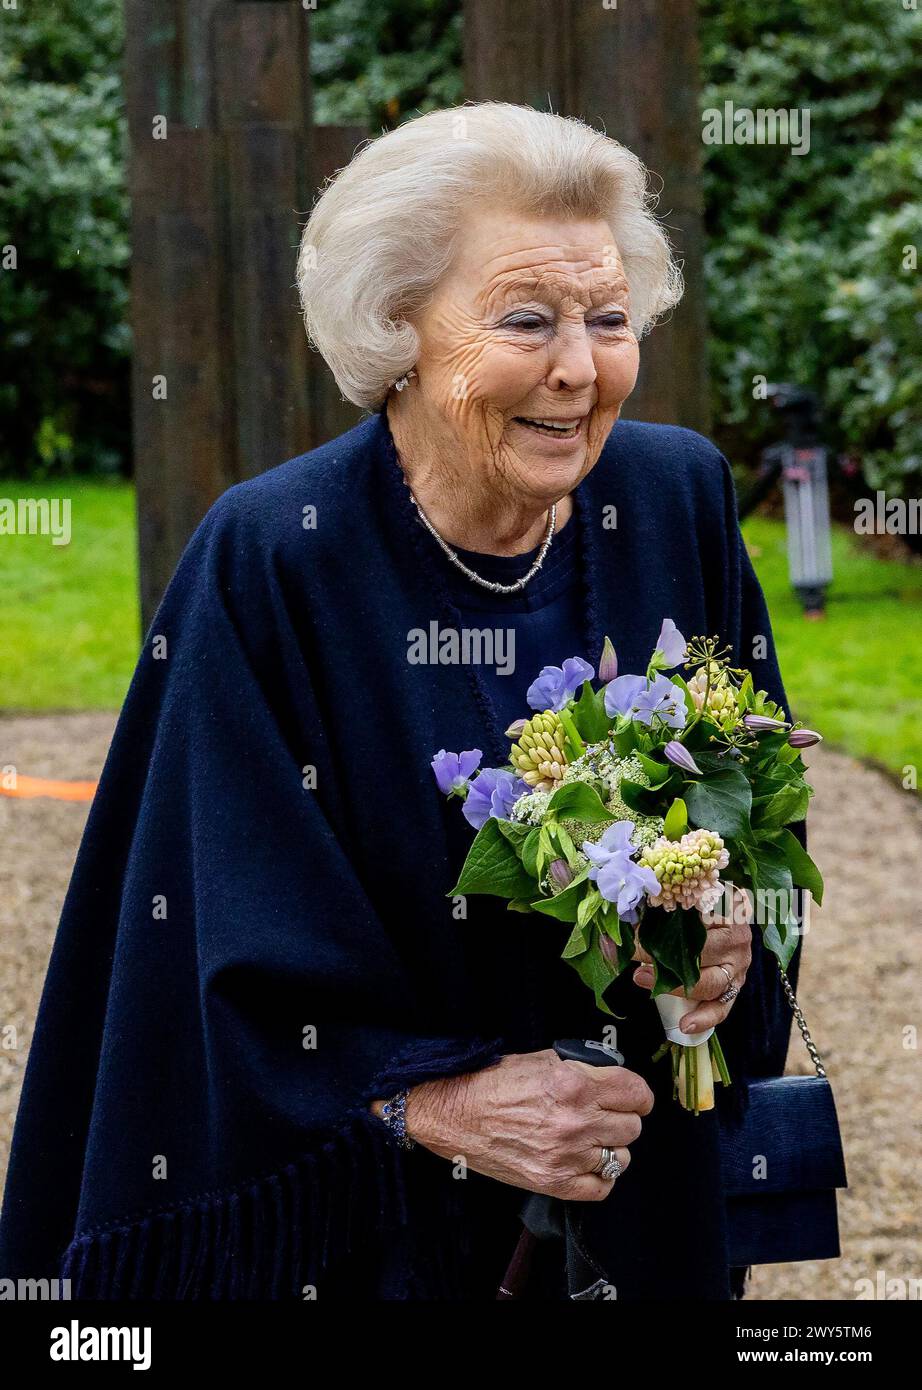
47, 786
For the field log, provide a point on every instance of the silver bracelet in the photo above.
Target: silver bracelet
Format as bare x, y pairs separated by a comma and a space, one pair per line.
394, 1115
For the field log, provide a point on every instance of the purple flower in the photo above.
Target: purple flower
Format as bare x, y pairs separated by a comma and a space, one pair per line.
453, 771
677, 753
670, 646
762, 721
633, 695
608, 661
804, 738
556, 685
493, 792
617, 877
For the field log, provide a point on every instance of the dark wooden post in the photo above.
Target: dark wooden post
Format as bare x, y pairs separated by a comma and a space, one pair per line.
223, 170
632, 70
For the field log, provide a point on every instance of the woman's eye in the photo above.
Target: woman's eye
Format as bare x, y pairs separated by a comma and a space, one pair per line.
528, 322
610, 321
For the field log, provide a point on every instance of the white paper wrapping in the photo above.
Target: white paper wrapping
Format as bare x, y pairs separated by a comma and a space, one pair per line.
671, 1008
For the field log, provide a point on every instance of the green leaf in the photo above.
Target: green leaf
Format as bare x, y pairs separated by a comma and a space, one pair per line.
529, 852
588, 907
625, 740
594, 971
700, 735
675, 940
589, 714
492, 866
774, 898
574, 743
788, 803
689, 702
567, 846
513, 831
578, 801
721, 802
577, 942
519, 905
646, 801
657, 772
783, 948
804, 872
564, 906
747, 691
545, 852
676, 822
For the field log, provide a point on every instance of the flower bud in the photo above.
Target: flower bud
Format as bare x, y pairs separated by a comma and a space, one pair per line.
609, 950
608, 662
762, 721
677, 753
804, 738
561, 874
516, 728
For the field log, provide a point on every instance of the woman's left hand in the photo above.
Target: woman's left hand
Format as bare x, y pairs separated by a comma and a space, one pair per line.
729, 943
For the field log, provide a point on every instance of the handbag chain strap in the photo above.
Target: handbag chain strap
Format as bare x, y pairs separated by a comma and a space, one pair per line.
801, 1023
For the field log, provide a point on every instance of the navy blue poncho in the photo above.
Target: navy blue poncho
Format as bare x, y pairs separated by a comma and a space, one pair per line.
257, 940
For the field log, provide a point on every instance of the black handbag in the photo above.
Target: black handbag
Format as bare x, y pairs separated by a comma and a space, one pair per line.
782, 1165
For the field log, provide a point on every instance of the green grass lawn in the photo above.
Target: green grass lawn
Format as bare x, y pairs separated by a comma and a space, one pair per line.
856, 675
69, 624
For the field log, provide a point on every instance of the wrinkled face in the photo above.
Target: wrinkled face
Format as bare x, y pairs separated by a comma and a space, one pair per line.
527, 351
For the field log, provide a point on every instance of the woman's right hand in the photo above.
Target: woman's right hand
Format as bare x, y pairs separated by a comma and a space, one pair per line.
533, 1120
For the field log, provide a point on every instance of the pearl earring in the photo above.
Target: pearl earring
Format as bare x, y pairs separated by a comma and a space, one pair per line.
403, 381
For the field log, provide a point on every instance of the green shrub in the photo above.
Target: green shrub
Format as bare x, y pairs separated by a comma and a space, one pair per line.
804, 266
63, 219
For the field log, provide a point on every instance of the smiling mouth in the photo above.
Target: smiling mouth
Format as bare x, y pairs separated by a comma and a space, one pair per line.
558, 429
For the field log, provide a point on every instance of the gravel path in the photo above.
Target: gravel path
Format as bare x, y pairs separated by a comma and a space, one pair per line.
861, 982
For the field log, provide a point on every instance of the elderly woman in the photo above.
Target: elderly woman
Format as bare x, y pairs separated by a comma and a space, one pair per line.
258, 954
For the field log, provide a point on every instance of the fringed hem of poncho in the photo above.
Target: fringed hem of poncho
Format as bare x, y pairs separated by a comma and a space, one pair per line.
272, 1238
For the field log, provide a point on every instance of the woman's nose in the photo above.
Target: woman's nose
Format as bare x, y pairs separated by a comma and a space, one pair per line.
572, 364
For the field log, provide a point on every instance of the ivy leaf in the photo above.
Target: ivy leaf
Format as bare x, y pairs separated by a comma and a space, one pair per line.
578, 801
657, 772
646, 801
675, 940
492, 866
721, 802
788, 803
804, 872
774, 898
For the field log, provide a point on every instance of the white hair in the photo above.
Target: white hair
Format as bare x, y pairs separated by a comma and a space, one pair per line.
383, 230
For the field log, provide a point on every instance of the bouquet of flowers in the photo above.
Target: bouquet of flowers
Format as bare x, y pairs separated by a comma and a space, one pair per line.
639, 795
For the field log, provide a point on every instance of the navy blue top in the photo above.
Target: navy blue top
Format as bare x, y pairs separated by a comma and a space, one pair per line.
544, 620
325, 901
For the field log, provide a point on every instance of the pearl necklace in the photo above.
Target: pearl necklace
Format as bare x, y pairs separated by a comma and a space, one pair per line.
492, 585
